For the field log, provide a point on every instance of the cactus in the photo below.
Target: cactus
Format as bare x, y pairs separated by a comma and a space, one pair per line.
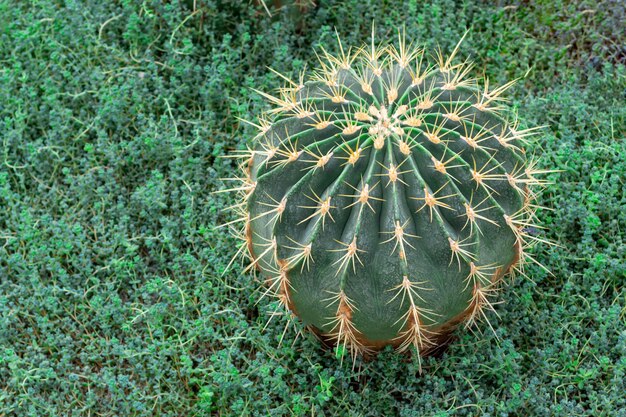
387, 196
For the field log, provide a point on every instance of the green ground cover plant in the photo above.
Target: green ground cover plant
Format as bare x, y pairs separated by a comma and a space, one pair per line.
114, 299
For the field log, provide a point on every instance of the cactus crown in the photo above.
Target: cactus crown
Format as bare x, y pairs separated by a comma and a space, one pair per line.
386, 197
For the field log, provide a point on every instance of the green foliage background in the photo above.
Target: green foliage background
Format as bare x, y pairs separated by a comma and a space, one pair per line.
112, 301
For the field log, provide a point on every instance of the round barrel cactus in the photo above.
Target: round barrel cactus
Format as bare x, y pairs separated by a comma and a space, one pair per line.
386, 197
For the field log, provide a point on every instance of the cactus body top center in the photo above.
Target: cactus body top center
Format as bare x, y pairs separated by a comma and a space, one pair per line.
386, 196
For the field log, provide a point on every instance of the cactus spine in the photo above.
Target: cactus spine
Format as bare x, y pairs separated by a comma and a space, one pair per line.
386, 197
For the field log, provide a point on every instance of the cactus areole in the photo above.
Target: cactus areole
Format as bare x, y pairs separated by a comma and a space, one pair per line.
386, 197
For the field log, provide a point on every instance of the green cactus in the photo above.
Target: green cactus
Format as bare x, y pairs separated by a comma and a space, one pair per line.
386, 197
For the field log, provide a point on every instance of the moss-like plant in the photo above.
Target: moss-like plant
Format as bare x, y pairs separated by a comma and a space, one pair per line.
297, 7
387, 196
